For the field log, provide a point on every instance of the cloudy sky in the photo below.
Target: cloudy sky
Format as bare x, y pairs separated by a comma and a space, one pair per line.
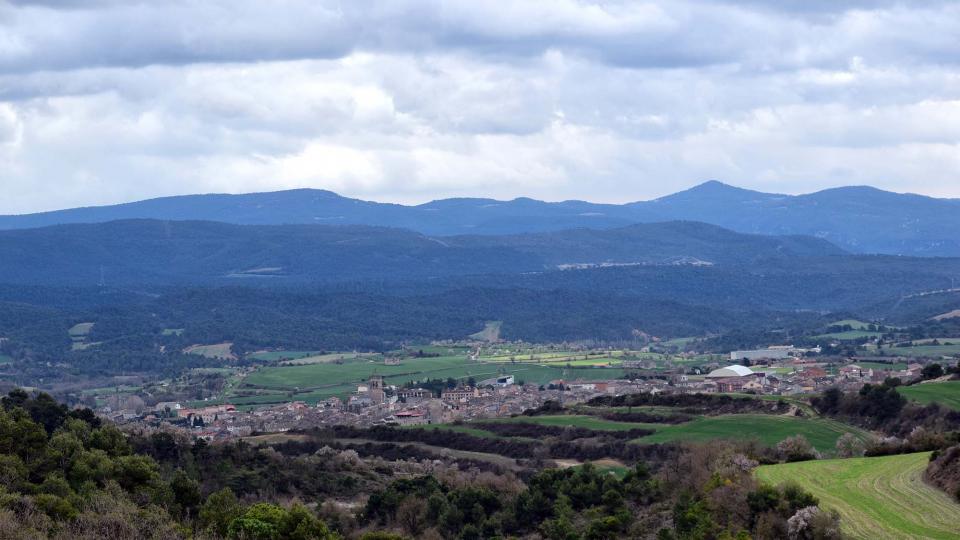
106, 101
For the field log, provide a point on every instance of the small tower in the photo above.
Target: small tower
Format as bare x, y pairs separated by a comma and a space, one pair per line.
375, 389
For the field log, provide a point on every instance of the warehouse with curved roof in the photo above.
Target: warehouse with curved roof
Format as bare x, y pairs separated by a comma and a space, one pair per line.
730, 371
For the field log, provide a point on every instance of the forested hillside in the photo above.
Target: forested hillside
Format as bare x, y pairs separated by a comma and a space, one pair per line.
167, 252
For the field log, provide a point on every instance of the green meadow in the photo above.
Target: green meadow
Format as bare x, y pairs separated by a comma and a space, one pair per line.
768, 429
878, 497
944, 393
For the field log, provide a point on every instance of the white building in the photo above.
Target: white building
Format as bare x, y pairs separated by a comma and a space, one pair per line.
730, 371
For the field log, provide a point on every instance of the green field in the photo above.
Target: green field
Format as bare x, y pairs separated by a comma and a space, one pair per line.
328, 379
576, 420
4, 359
880, 497
768, 429
945, 393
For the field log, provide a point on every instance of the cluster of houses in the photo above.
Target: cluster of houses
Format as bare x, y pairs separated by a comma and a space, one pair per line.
776, 371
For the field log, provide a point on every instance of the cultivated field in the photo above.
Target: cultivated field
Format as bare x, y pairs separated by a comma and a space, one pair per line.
881, 497
768, 429
945, 393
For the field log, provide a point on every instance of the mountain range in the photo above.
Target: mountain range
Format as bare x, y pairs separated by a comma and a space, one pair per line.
857, 219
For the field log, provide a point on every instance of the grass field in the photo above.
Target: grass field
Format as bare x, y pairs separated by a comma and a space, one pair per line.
945, 393
768, 429
880, 497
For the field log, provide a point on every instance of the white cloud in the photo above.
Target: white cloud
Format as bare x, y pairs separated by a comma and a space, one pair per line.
104, 102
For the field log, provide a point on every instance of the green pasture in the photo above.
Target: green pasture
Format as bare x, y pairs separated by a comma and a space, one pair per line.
944, 393
878, 497
768, 429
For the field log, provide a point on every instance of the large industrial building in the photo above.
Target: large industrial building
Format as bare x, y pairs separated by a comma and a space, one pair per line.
730, 371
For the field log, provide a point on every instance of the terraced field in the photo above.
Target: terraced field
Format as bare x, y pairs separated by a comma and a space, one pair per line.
768, 429
945, 393
881, 497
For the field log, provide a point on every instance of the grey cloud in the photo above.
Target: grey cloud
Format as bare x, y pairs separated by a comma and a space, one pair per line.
628, 34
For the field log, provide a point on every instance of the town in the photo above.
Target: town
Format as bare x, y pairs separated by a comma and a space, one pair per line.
774, 371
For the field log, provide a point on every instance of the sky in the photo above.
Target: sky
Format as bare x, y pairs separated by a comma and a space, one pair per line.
108, 101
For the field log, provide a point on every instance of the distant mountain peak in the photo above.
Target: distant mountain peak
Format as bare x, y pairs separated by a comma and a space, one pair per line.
714, 189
